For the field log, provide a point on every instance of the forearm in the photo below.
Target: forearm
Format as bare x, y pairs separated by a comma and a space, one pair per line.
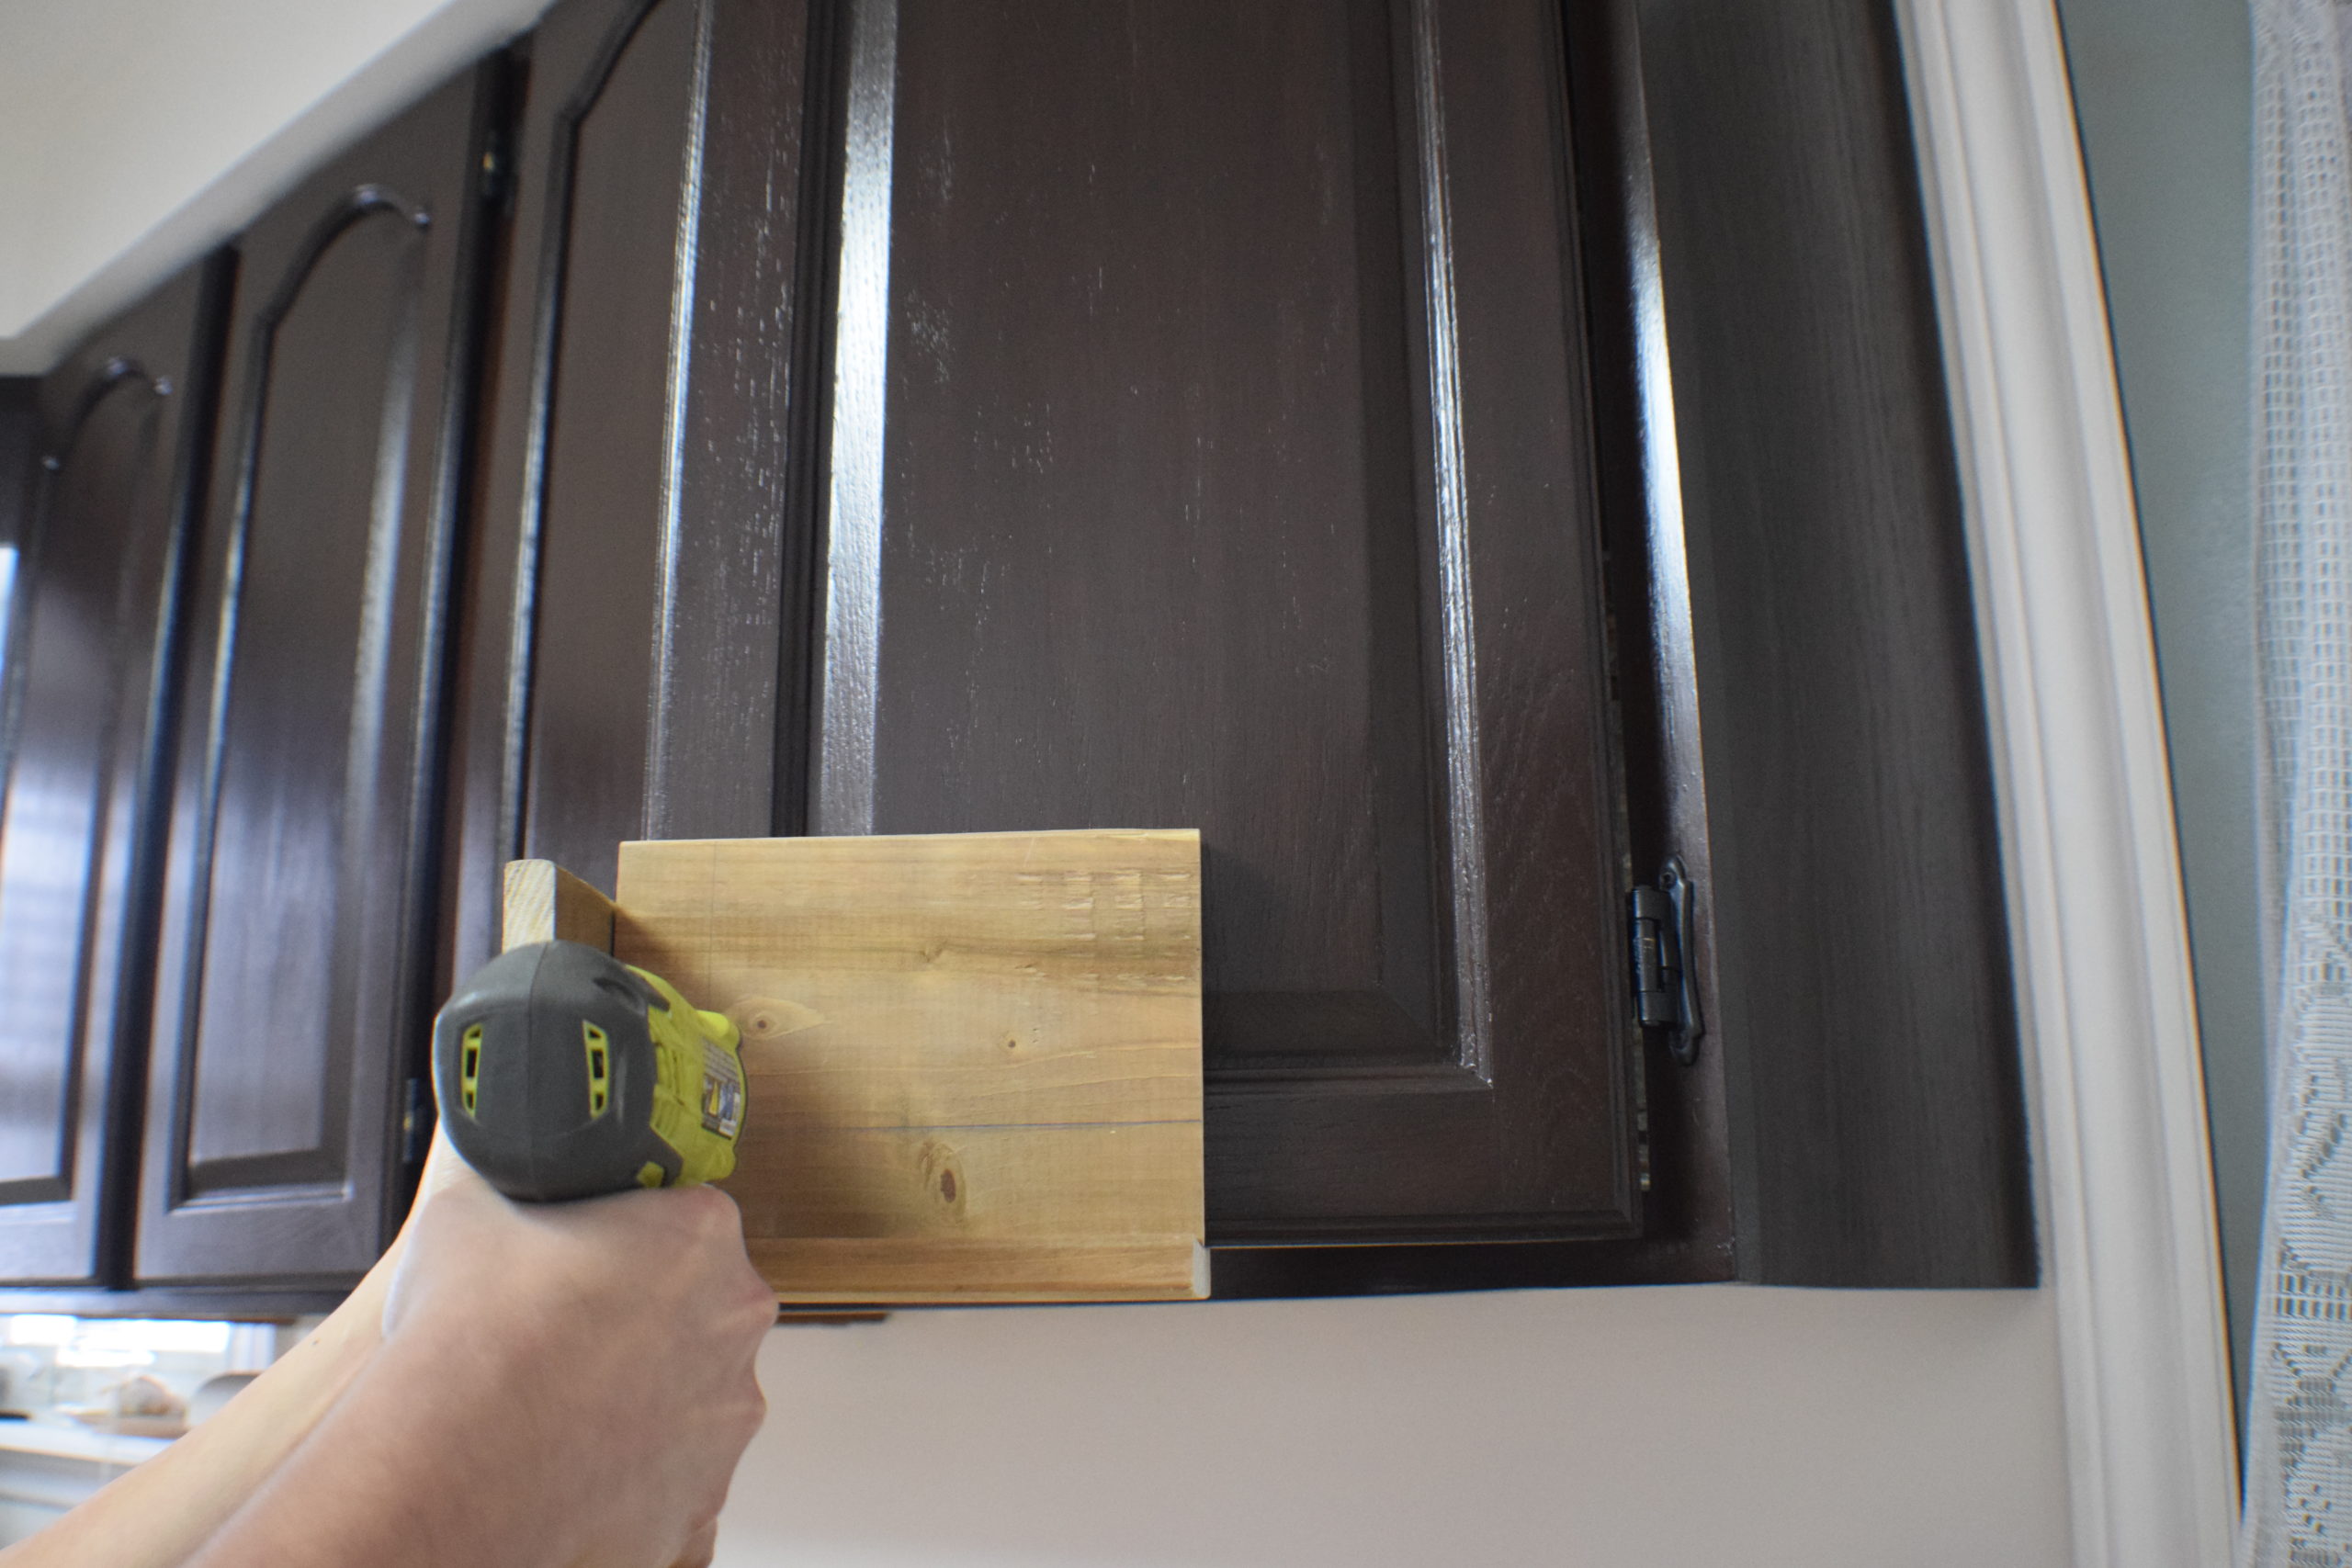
157, 1516
565, 1387
393, 1476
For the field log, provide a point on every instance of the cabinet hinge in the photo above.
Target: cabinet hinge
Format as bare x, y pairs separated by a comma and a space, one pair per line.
416, 1121
1660, 921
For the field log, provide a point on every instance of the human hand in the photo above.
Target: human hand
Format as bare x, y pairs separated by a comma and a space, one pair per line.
601, 1354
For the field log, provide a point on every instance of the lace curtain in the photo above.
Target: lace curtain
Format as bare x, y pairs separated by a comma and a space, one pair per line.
2299, 1434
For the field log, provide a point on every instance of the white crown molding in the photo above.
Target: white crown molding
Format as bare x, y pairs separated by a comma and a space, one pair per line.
2099, 932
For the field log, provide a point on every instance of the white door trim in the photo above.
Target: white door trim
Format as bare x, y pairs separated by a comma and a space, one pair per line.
2099, 930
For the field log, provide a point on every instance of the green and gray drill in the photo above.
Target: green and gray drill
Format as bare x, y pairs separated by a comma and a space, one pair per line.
564, 1073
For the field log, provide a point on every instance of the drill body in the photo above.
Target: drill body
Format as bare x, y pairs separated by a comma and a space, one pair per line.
563, 1073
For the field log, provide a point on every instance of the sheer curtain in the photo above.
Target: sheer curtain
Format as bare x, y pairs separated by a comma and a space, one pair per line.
2299, 1434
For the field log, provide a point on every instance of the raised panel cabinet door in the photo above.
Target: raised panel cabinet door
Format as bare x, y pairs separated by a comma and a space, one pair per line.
295, 954
1207, 446
631, 579
1210, 448
91, 597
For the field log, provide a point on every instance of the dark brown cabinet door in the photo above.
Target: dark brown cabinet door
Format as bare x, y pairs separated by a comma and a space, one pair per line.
1205, 444
1209, 449
295, 957
90, 618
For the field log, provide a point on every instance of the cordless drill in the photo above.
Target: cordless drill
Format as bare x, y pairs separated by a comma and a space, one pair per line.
564, 1073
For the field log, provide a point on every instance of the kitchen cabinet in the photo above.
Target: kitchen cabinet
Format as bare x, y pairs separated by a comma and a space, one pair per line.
294, 960
1205, 444
119, 433
933, 418
1456, 456
1806, 729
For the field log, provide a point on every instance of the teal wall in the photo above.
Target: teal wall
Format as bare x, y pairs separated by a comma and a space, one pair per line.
2164, 91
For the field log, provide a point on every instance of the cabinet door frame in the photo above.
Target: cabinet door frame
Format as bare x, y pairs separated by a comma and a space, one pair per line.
726, 556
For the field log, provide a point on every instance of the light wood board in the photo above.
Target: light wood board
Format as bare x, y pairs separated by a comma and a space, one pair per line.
544, 902
974, 1059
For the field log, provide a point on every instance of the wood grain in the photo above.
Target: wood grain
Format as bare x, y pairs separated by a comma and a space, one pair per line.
546, 903
948, 1271
975, 1059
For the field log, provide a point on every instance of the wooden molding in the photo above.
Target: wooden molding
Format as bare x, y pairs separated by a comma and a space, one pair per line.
2095, 909
951, 1272
546, 903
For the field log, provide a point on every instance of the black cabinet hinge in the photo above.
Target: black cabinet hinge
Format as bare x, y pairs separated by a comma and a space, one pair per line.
1659, 920
416, 1121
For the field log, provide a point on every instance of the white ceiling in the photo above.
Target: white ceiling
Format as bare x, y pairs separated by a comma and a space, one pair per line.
136, 133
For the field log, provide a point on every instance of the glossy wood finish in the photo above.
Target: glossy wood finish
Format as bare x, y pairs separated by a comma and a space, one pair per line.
295, 953
1234, 472
628, 669
19, 454
1853, 1118
1687, 1234
91, 614
1877, 1128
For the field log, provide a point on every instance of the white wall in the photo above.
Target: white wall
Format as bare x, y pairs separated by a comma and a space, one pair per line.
1713, 1425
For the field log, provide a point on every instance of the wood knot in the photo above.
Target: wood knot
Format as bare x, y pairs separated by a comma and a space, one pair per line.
942, 1171
772, 1018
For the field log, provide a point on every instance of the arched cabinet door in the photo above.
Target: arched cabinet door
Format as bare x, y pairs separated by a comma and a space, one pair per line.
91, 599
295, 960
